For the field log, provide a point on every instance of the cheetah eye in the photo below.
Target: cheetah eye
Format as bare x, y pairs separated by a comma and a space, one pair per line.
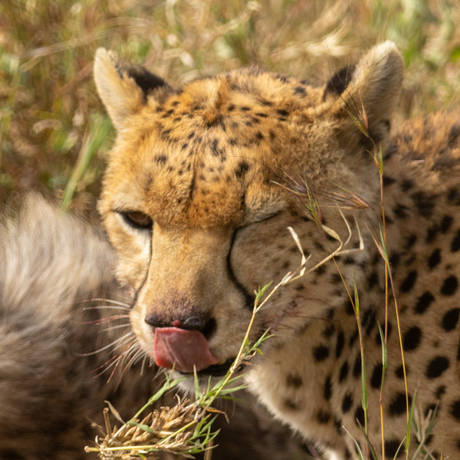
137, 219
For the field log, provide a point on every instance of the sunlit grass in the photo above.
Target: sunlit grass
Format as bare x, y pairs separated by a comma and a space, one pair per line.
48, 102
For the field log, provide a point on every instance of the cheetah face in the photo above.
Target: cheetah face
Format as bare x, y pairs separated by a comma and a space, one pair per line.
203, 183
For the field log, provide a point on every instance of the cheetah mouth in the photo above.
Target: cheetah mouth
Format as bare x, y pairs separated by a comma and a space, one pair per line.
216, 370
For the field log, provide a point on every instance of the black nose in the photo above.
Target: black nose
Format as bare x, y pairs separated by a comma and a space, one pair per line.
198, 322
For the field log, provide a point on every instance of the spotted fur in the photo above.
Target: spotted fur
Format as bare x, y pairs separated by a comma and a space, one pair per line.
204, 180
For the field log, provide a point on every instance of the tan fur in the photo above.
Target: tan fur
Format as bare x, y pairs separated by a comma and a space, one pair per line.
212, 164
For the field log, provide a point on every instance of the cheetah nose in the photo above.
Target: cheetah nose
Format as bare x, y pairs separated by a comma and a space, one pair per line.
182, 349
203, 323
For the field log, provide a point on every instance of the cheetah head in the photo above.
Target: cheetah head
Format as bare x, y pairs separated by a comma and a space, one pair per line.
204, 180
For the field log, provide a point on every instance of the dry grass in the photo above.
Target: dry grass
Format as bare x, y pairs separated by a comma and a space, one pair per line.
53, 130
49, 109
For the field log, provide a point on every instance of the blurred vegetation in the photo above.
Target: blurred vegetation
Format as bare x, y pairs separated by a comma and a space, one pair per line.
54, 133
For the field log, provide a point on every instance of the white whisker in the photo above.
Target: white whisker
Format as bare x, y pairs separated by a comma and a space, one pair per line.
111, 345
105, 307
99, 299
118, 326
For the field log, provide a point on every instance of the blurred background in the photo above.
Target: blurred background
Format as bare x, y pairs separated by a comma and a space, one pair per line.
54, 134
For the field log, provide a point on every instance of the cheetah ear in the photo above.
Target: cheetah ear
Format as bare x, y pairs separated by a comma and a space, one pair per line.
373, 84
122, 87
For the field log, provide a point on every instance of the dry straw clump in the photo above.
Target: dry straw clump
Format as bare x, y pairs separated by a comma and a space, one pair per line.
176, 430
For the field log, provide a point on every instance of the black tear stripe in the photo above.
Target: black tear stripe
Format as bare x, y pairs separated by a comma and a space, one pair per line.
248, 298
136, 295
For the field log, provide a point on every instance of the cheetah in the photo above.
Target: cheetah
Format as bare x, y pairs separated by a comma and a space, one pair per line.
201, 187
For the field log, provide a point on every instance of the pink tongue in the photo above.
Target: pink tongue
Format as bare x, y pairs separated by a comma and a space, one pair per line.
184, 348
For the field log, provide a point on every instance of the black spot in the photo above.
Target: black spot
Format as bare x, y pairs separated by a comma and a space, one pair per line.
330, 329
369, 320
411, 339
455, 409
399, 372
423, 302
432, 233
266, 103
321, 353
340, 344
347, 403
320, 270
387, 180
424, 203
339, 81
349, 260
357, 367
8, 454
282, 78
343, 372
290, 404
242, 168
440, 391
400, 211
372, 280
446, 223
398, 404
160, 159
300, 90
245, 109
323, 417
335, 278
391, 447
353, 338
338, 425
437, 366
410, 241
394, 260
327, 388
294, 380
450, 319
391, 151
454, 196
455, 246
349, 307
434, 259
409, 281
282, 112
450, 285
406, 185
359, 416
376, 379
453, 134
